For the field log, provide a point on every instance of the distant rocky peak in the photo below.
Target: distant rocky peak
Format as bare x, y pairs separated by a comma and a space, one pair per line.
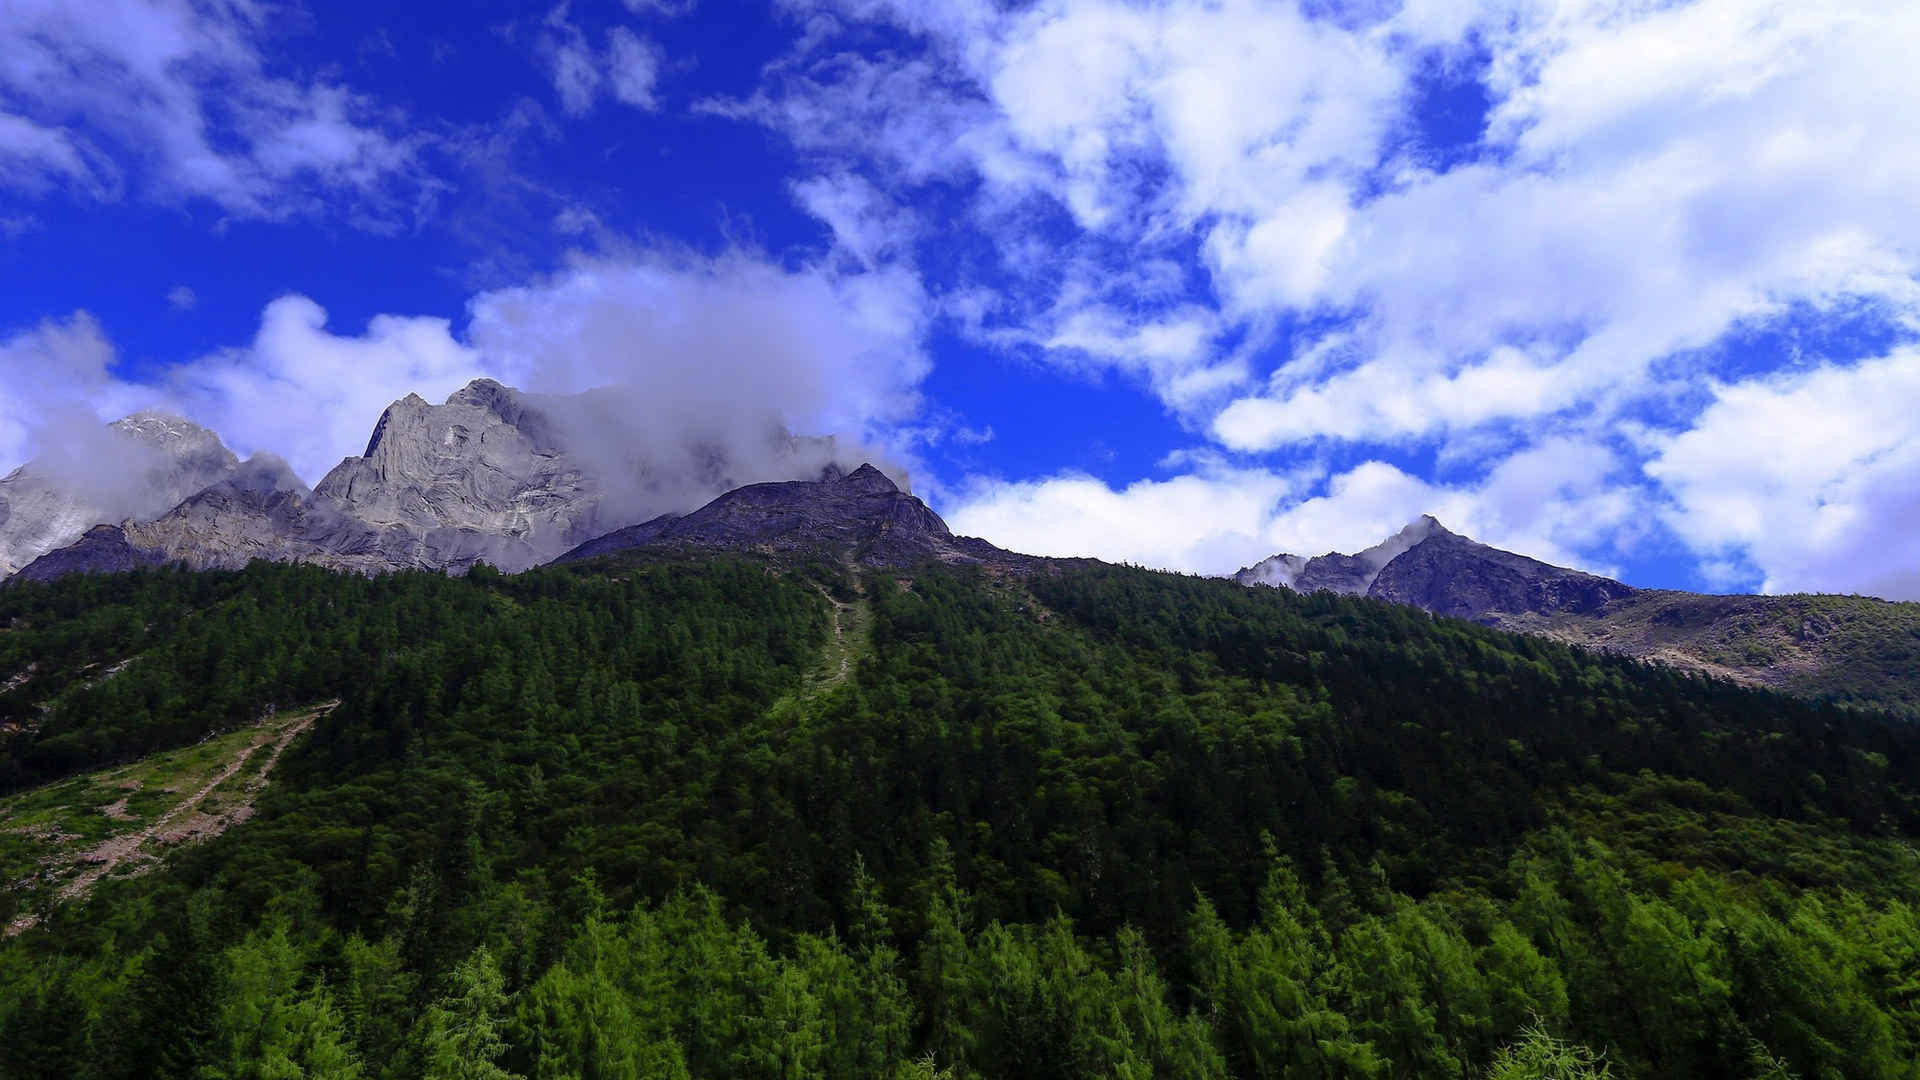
393, 416
264, 472
485, 394
414, 439
870, 479
1428, 566
1420, 528
166, 430
133, 469
1334, 572
1279, 571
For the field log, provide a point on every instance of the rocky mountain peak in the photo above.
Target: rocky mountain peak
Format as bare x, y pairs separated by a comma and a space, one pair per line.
861, 517
483, 394
153, 427
870, 479
513, 479
131, 470
1334, 572
1428, 566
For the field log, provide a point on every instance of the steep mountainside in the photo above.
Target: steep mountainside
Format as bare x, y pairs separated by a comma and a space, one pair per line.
607, 820
1854, 648
860, 517
490, 475
152, 461
483, 476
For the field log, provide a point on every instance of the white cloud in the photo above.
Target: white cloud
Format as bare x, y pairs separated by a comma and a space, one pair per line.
1668, 169
709, 354
49, 375
626, 68
865, 225
34, 157
181, 91
1201, 523
181, 298
1380, 401
633, 67
1652, 177
1555, 502
1813, 479
718, 339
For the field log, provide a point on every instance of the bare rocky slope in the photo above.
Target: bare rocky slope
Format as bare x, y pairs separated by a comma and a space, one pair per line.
157, 460
860, 517
491, 474
1846, 647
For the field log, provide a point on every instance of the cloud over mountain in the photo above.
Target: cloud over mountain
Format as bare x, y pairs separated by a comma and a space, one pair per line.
695, 355
1463, 233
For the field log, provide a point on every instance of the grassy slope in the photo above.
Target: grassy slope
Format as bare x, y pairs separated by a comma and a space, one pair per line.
1846, 647
55, 840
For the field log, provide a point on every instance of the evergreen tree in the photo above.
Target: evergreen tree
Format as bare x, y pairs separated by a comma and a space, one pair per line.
461, 1033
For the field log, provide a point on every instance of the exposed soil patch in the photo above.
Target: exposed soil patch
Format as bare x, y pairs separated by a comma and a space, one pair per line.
20, 680
194, 818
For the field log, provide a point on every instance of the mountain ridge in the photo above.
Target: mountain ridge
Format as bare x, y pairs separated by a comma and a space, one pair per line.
50, 502
1850, 648
492, 474
861, 518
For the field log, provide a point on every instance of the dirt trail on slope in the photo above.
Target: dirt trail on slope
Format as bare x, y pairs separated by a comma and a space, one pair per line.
109, 854
848, 641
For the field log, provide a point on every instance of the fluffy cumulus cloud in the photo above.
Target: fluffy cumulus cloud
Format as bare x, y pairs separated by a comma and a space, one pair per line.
1812, 478
707, 352
1635, 183
1194, 522
172, 101
1556, 500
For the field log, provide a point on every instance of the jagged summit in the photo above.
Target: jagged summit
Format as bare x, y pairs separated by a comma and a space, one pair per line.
491, 474
1335, 572
1428, 566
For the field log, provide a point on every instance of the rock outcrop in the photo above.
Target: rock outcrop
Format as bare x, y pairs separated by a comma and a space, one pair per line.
1427, 566
483, 476
103, 549
136, 469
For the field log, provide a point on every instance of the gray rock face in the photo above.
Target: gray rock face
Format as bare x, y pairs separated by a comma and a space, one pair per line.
265, 512
480, 477
102, 549
1426, 566
1452, 575
492, 474
860, 517
132, 470
1333, 572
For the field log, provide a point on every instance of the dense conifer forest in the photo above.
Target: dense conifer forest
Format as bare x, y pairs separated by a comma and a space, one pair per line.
705, 819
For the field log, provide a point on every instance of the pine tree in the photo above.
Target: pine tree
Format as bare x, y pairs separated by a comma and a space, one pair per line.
461, 1037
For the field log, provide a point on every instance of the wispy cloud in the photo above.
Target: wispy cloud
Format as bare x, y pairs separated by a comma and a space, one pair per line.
706, 353
626, 66
172, 102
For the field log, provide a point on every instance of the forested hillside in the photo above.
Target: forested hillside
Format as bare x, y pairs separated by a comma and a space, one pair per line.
702, 819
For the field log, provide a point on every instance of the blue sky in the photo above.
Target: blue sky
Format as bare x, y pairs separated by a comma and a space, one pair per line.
1625, 285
